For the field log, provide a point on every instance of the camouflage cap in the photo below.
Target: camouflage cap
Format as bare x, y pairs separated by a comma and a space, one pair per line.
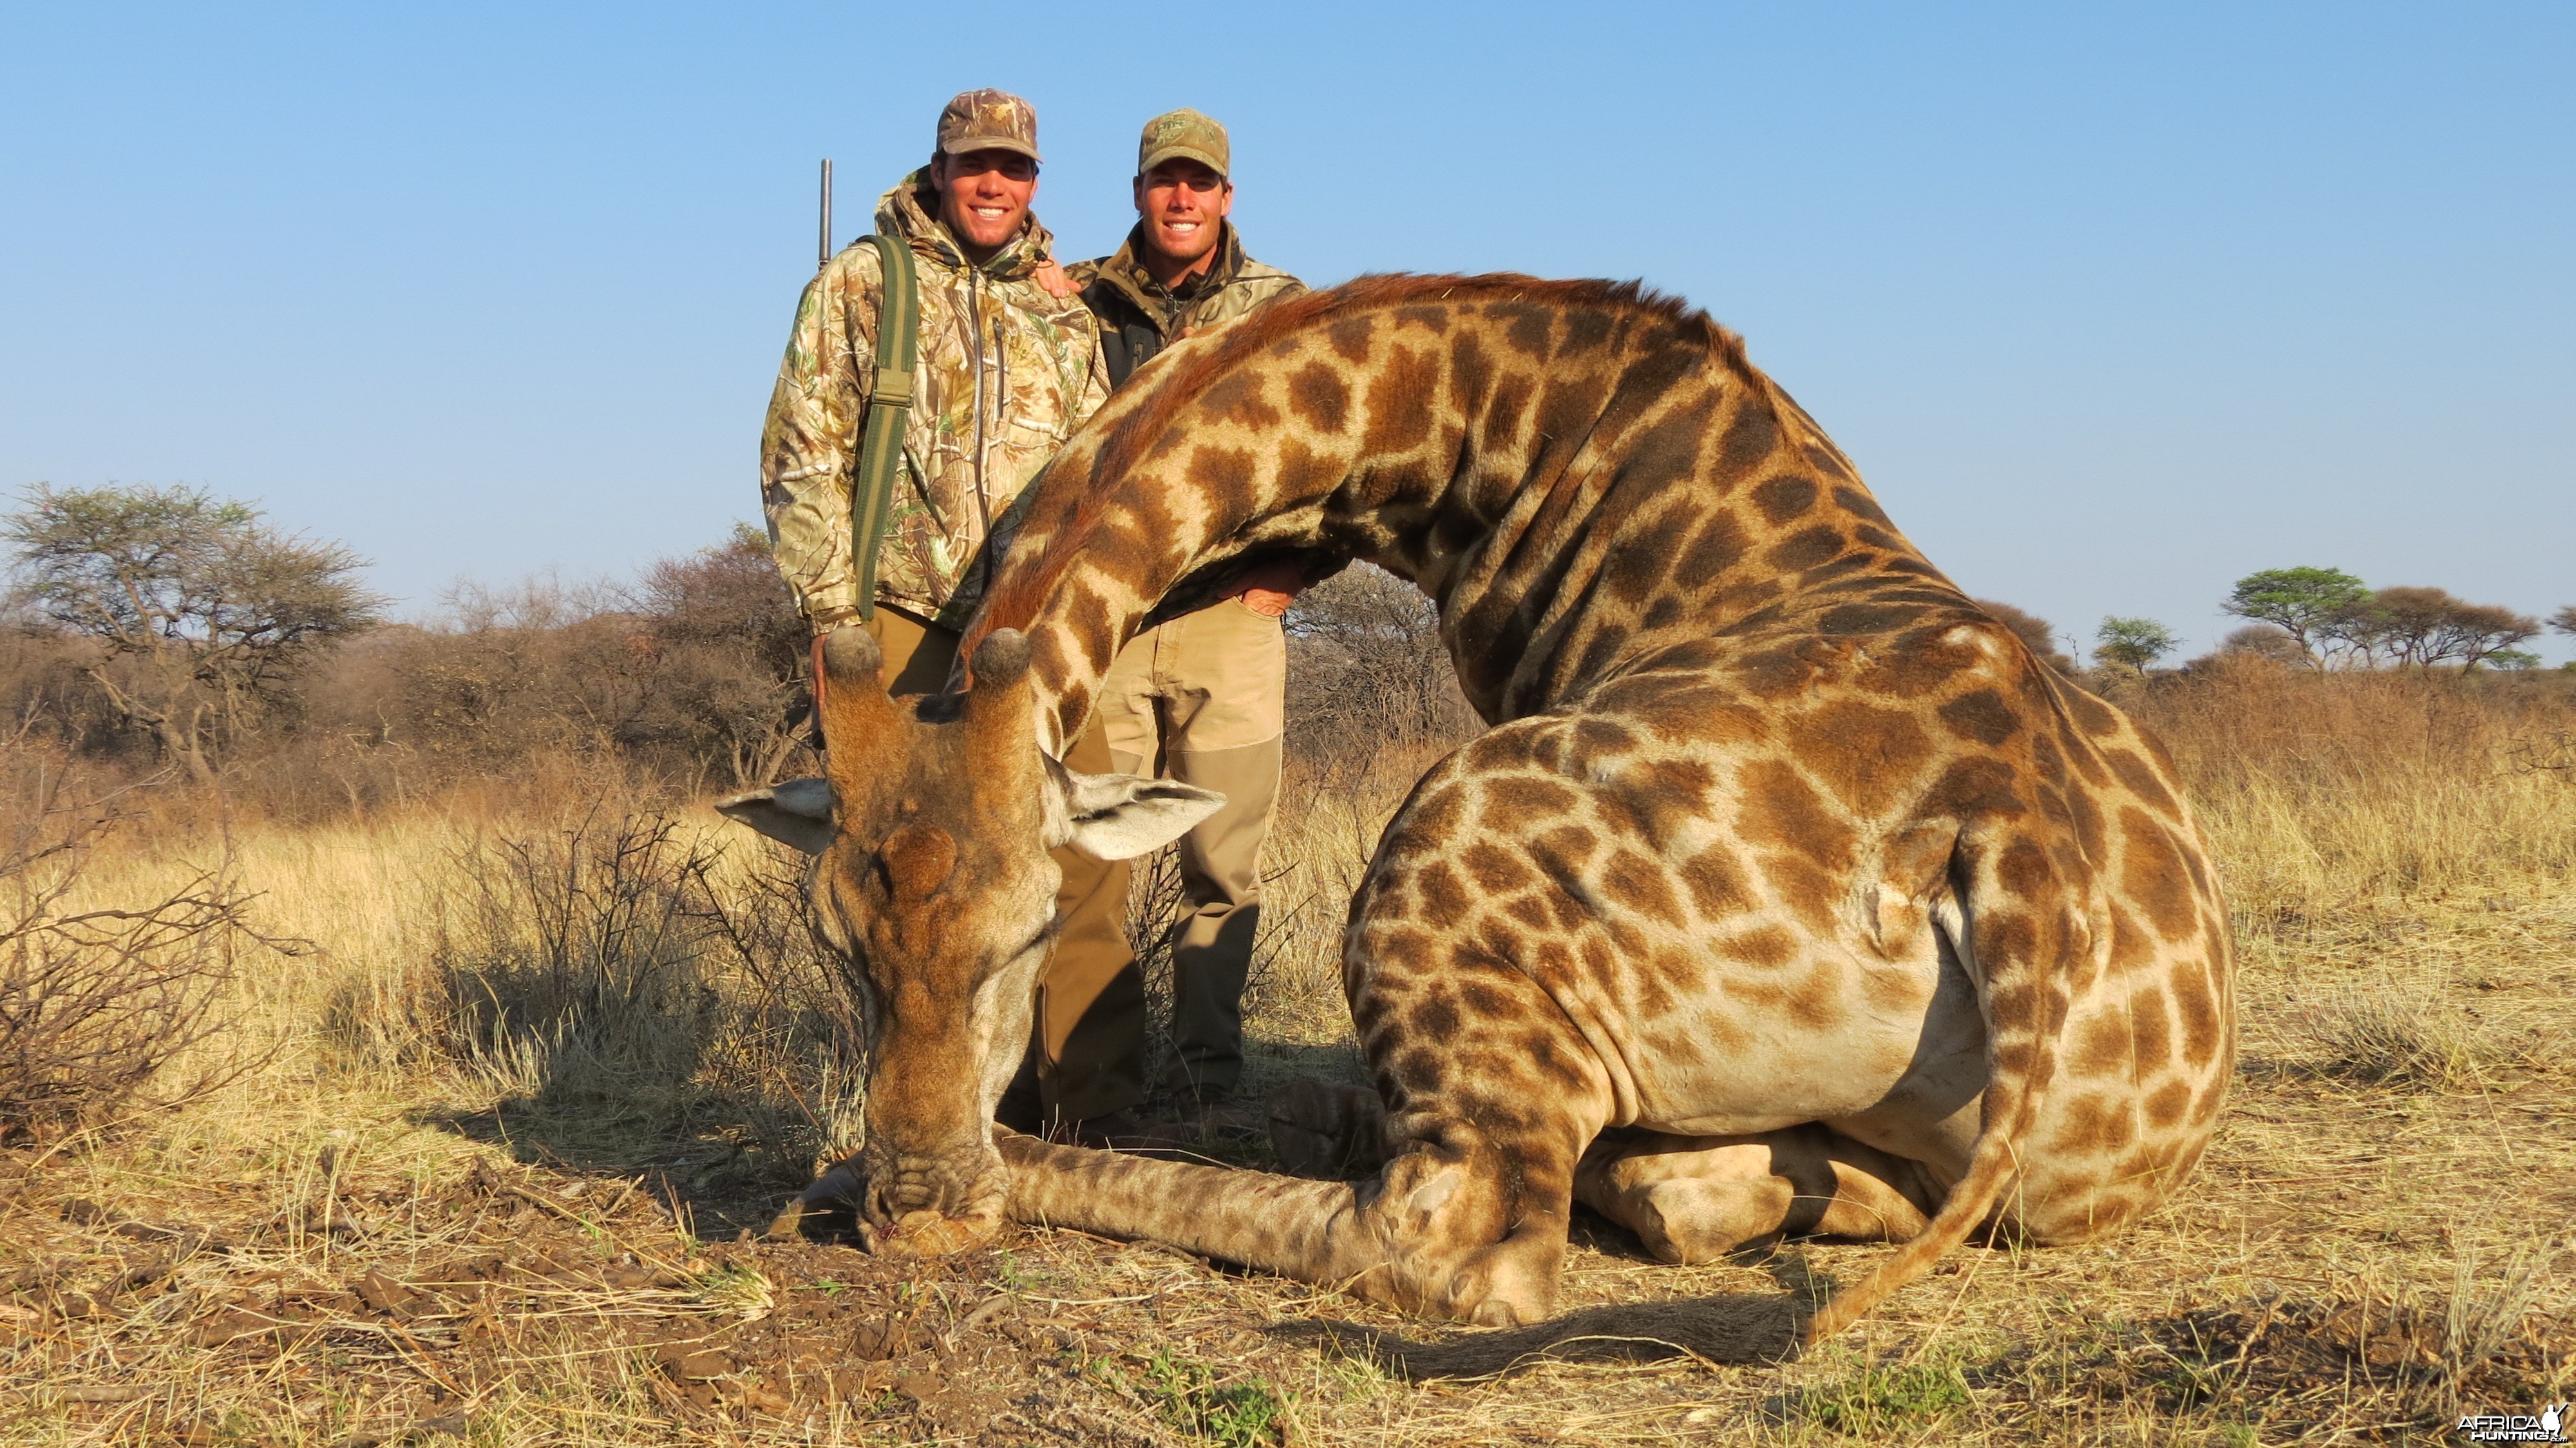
989, 120
1187, 135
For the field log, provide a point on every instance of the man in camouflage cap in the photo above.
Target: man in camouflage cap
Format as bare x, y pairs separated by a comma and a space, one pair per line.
1183, 268
1202, 697
1008, 369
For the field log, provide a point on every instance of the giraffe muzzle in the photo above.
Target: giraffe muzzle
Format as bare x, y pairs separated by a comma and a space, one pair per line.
928, 1206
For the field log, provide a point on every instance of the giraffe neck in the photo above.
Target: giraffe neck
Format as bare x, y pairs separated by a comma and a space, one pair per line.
1575, 473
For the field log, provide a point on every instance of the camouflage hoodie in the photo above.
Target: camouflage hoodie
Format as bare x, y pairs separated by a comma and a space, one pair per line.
1139, 316
1006, 372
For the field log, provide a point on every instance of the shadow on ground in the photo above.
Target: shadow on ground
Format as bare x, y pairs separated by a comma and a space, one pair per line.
1732, 1328
700, 1168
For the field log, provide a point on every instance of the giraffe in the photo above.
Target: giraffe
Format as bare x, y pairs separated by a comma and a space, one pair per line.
1787, 893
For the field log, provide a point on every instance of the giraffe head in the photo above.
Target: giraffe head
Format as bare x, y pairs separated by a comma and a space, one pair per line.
933, 883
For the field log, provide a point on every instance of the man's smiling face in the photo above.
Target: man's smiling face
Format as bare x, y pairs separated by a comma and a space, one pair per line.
1182, 203
984, 197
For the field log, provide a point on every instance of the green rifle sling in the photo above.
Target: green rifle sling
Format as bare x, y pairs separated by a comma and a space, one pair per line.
889, 408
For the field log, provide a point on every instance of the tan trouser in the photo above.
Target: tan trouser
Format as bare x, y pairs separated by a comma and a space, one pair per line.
1204, 698
1089, 1045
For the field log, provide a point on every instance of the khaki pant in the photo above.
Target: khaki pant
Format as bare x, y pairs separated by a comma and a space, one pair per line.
1088, 1051
1203, 698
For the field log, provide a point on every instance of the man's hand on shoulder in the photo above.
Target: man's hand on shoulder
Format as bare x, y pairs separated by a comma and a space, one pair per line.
1050, 275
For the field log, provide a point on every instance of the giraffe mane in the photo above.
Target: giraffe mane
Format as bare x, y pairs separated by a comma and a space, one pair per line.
1015, 604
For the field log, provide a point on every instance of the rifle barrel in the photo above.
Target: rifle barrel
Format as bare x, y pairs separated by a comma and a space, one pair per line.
823, 238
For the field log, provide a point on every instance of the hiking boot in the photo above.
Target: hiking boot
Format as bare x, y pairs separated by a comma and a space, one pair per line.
1019, 1111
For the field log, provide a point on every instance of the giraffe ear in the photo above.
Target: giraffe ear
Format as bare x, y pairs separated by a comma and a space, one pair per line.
1119, 816
798, 812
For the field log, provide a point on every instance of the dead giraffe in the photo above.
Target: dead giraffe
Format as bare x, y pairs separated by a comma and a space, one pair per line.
1788, 893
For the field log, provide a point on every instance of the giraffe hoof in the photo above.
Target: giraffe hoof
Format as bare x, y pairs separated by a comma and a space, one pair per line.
1495, 1312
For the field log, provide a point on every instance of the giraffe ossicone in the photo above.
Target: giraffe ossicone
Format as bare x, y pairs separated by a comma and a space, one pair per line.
1788, 892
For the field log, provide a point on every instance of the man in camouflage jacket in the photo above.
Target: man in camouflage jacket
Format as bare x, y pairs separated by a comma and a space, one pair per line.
1008, 368
1200, 698
1182, 196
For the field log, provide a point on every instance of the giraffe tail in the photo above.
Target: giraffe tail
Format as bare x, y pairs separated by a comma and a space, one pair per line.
2023, 1060
1990, 1169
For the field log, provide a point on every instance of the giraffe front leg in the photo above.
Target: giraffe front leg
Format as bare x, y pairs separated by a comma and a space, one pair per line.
1449, 1227
1475, 1224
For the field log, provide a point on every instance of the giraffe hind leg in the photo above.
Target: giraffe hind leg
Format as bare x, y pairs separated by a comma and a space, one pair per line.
1695, 1199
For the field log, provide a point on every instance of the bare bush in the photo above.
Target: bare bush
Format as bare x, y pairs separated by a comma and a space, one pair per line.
731, 690
2268, 642
100, 1001
2032, 630
2426, 627
626, 971
1367, 667
692, 680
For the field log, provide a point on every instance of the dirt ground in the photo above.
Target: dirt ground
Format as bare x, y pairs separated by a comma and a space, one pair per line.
2364, 1257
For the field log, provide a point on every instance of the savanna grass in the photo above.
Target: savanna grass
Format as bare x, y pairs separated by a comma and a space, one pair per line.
595, 987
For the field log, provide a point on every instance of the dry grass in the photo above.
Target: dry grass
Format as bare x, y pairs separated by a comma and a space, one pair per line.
490, 1182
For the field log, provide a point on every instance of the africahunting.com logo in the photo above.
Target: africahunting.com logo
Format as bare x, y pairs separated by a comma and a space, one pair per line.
2544, 1427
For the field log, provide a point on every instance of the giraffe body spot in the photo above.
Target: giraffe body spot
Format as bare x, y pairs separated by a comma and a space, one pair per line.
1750, 436
1768, 946
1859, 504
1445, 898
1866, 753
1321, 399
1399, 402
1804, 549
1516, 803
1784, 498
1981, 715
1496, 870
2140, 779
1638, 882
1717, 546
1350, 337
2153, 878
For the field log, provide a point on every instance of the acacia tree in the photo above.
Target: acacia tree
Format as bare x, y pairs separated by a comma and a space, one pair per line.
202, 611
1367, 661
2301, 602
2423, 627
2132, 643
2564, 620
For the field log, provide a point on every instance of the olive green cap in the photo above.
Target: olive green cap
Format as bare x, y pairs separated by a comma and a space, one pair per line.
1184, 134
989, 120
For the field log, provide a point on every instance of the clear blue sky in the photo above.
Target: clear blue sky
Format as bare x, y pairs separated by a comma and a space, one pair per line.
2111, 303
